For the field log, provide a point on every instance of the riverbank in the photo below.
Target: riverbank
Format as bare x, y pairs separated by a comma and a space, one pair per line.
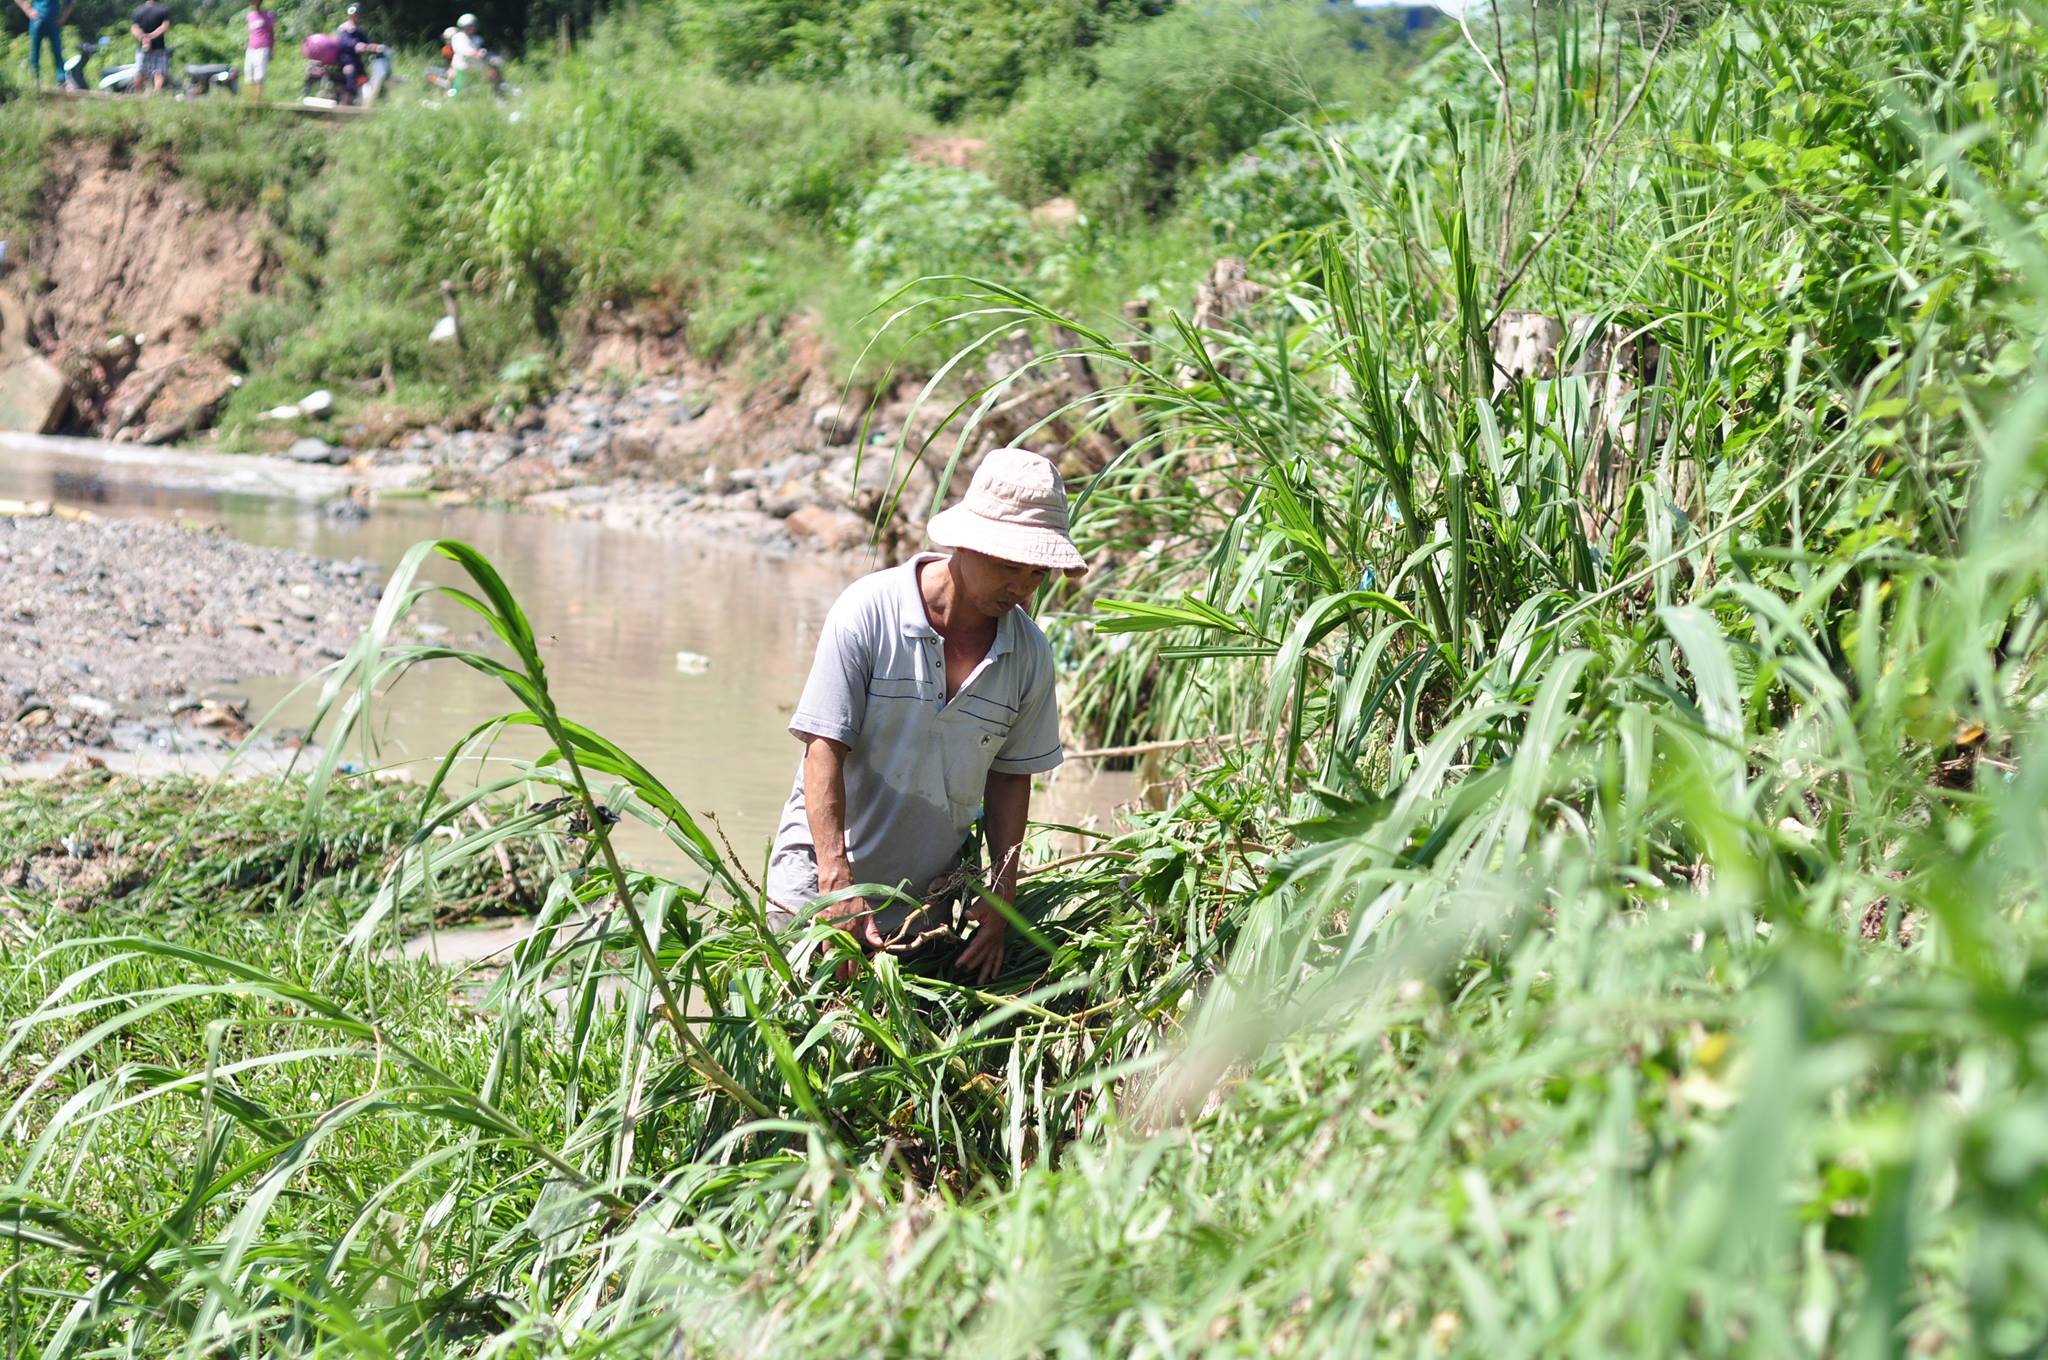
686, 647
111, 630
787, 465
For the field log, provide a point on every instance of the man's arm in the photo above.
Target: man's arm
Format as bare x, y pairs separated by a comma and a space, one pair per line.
1005, 808
825, 809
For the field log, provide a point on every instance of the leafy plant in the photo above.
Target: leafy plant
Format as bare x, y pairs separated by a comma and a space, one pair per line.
931, 219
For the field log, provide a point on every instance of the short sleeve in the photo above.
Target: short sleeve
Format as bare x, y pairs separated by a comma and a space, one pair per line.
1034, 743
835, 698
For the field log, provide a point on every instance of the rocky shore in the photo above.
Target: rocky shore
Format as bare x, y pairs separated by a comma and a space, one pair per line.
780, 472
111, 629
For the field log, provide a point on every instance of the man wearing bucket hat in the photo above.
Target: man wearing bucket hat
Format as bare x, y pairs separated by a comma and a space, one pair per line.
931, 700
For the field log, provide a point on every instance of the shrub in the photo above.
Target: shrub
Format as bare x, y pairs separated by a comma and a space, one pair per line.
1163, 100
1282, 184
930, 219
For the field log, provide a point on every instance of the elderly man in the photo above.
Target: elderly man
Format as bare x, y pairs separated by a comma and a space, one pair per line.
931, 699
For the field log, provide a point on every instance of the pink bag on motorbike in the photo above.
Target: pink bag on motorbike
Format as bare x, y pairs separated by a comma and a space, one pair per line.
322, 47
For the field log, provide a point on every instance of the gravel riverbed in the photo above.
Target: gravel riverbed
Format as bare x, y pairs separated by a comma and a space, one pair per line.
111, 629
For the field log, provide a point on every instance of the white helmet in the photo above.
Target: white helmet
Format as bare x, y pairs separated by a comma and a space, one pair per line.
466, 21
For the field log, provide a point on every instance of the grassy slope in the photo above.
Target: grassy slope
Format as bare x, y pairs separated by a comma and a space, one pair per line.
634, 177
1626, 941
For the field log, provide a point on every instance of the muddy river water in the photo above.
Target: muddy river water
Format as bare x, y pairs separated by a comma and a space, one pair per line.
614, 608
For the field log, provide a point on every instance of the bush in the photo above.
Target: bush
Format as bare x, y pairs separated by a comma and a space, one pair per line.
1162, 101
950, 57
930, 219
1281, 185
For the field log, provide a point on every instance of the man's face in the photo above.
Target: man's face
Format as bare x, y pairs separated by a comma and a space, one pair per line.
994, 587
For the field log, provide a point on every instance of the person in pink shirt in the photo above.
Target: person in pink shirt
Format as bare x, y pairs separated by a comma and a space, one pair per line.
262, 37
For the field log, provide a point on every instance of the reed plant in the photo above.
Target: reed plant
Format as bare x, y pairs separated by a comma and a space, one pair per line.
1596, 909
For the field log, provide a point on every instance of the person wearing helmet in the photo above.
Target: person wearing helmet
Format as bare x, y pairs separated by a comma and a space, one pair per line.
355, 45
465, 54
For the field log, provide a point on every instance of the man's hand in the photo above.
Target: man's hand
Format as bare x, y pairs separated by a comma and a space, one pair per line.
982, 959
1006, 807
857, 919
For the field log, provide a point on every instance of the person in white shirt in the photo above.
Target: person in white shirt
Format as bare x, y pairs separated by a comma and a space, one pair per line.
465, 54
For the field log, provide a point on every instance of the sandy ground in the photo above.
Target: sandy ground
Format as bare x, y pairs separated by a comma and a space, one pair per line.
105, 625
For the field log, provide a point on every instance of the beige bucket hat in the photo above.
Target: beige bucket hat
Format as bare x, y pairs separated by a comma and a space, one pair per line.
1015, 509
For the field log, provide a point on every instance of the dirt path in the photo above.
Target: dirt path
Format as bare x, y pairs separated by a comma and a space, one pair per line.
104, 623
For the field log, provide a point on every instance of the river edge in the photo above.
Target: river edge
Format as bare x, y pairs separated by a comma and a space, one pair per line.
95, 522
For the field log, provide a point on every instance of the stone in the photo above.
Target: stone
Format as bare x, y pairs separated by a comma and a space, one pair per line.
33, 393
785, 500
1056, 215
636, 443
315, 405
832, 530
836, 422
312, 450
881, 477
90, 706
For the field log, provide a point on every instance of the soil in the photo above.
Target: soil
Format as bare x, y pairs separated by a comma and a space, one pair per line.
129, 273
102, 622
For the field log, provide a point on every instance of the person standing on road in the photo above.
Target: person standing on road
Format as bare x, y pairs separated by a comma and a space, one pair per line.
930, 702
151, 25
45, 25
262, 39
465, 54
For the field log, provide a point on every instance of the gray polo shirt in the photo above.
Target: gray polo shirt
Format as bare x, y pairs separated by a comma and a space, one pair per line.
916, 764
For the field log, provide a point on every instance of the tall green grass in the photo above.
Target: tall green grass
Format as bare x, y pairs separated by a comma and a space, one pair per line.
1609, 924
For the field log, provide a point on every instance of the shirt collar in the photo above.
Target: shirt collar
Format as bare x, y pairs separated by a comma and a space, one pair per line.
915, 622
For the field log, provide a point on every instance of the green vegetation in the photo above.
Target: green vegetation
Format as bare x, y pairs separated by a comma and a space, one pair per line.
716, 184
1599, 912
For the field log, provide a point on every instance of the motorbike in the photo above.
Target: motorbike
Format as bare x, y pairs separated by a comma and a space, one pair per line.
440, 78
122, 79
204, 78
73, 75
325, 84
